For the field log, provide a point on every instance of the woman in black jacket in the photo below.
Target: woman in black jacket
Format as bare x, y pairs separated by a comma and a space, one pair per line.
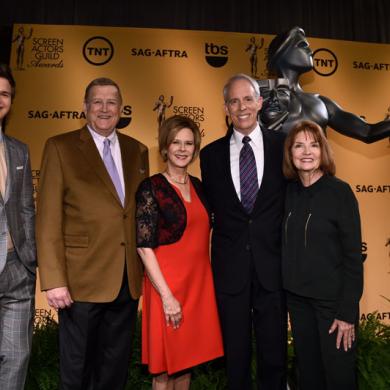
322, 262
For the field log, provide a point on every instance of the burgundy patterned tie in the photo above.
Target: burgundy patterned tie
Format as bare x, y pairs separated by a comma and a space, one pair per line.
248, 176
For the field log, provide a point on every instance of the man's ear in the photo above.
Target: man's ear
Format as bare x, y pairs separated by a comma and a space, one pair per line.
226, 109
85, 107
260, 102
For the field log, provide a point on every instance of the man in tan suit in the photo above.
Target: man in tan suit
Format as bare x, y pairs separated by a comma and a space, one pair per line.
88, 264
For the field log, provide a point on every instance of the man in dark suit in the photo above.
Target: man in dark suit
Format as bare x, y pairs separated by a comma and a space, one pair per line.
17, 249
88, 263
244, 184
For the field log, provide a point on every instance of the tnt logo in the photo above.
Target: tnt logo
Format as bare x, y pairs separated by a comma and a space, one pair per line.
325, 62
98, 51
216, 55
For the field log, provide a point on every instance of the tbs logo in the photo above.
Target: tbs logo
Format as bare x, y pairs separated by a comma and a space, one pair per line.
364, 251
216, 55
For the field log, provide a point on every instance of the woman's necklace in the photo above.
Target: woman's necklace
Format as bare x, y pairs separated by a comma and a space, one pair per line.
184, 181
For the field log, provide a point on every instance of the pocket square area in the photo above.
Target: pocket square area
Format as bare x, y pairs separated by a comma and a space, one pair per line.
19, 167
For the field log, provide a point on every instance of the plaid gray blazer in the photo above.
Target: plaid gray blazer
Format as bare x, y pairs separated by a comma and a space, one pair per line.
17, 207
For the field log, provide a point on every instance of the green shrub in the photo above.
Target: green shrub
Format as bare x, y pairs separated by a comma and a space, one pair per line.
373, 361
373, 355
43, 371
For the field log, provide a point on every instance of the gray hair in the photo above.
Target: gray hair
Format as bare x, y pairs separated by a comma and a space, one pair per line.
240, 76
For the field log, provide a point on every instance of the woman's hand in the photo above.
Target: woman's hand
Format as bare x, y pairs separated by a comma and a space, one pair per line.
172, 311
345, 333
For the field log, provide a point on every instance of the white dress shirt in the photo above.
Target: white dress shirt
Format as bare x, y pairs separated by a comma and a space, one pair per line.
115, 151
236, 144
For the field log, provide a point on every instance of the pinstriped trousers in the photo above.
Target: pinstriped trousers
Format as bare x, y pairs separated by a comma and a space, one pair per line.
17, 299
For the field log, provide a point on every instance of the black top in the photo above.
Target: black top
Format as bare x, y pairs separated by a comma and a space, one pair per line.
161, 216
322, 256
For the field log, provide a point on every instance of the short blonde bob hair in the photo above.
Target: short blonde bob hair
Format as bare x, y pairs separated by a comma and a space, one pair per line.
168, 130
327, 164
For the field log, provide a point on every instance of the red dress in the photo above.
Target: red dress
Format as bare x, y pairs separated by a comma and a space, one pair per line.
185, 265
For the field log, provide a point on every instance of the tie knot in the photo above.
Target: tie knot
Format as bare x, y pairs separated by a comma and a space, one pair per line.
106, 142
246, 140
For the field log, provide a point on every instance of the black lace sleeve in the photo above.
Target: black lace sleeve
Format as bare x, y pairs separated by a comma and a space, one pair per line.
146, 216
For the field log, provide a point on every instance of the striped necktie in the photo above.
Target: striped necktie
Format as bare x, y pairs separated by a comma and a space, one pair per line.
248, 176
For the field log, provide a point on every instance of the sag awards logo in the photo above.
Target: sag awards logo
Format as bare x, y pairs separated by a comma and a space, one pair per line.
43, 316
325, 62
161, 105
196, 113
365, 65
252, 48
384, 315
364, 251
373, 188
216, 55
35, 173
161, 53
98, 51
46, 52
124, 120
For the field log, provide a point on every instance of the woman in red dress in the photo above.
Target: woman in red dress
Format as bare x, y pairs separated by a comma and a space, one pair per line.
180, 325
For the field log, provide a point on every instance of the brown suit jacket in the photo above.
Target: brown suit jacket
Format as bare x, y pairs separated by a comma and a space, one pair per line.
84, 235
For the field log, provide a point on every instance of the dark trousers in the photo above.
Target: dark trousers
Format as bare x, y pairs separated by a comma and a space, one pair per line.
321, 366
95, 342
264, 312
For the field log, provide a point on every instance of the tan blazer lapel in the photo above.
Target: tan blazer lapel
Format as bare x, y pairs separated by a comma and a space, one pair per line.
90, 152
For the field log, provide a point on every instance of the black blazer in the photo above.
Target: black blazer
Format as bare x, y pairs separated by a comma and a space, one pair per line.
238, 237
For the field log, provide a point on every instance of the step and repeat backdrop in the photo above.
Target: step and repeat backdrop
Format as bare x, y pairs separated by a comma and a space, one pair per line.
166, 72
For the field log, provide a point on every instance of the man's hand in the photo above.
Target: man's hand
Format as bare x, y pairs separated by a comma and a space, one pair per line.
59, 298
345, 333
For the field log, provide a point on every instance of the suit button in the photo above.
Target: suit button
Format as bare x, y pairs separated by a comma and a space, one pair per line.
123, 243
248, 247
124, 216
250, 221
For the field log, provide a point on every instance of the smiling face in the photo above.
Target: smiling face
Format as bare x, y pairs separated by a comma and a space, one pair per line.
306, 153
181, 150
242, 106
5, 98
103, 109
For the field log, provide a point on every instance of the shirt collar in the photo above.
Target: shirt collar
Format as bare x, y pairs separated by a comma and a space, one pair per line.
100, 138
256, 137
